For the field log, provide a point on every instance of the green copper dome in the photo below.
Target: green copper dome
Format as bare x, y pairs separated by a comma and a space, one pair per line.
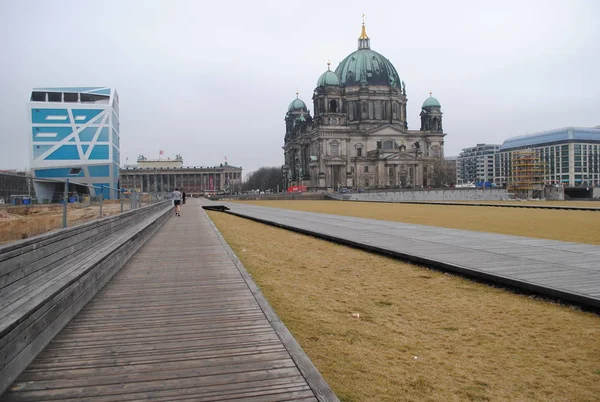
297, 104
328, 78
431, 102
367, 67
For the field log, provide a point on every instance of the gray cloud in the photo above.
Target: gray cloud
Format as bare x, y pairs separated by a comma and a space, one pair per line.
213, 79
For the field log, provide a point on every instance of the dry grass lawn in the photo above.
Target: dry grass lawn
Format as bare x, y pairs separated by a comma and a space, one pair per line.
422, 335
575, 226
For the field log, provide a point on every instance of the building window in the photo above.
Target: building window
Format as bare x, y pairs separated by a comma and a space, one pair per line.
54, 96
366, 169
390, 145
38, 97
358, 151
71, 97
333, 106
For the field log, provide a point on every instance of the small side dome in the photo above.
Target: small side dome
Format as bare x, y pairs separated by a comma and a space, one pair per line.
328, 78
297, 104
431, 102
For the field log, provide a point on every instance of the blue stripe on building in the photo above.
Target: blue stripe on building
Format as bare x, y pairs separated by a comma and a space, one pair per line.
87, 114
40, 133
99, 152
87, 134
41, 116
38, 150
99, 171
105, 91
60, 173
103, 137
68, 89
65, 152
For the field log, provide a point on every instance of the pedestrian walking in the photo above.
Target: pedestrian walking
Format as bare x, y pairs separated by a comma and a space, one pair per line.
182, 196
177, 201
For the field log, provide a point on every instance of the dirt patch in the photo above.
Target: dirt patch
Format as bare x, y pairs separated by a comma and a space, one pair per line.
575, 226
22, 222
421, 335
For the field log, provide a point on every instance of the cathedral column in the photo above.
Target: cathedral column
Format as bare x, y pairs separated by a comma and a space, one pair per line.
418, 175
381, 174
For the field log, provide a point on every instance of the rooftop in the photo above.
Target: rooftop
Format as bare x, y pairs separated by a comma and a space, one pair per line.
564, 134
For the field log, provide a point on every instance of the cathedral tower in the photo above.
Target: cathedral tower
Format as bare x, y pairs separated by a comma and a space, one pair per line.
431, 115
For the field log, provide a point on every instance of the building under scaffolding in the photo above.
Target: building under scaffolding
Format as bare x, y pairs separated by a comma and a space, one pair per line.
526, 178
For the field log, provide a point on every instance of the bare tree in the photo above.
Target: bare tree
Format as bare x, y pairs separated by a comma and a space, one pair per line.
265, 178
443, 173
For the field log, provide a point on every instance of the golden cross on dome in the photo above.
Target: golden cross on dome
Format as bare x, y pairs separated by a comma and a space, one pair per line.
297, 93
363, 33
328, 64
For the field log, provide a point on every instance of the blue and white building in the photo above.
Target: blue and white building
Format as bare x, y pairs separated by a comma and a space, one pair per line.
74, 135
568, 156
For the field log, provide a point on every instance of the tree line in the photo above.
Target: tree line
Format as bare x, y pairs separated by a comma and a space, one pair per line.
265, 178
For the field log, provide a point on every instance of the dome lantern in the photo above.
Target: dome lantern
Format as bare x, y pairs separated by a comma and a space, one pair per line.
431, 102
328, 78
297, 105
363, 40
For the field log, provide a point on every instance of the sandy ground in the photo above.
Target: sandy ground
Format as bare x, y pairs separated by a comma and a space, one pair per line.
22, 222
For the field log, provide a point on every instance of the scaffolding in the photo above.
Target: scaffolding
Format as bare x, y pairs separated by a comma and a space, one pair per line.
526, 179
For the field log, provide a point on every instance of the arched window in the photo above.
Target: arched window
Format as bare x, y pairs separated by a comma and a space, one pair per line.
333, 106
389, 144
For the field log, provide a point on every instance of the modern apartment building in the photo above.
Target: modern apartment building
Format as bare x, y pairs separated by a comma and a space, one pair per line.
568, 156
476, 164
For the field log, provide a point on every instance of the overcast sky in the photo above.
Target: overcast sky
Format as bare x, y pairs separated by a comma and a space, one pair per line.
213, 79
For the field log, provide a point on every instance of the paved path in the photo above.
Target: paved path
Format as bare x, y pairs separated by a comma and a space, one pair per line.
181, 321
570, 271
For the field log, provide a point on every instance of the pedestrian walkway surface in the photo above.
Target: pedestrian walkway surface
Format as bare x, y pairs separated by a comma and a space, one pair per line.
181, 321
570, 271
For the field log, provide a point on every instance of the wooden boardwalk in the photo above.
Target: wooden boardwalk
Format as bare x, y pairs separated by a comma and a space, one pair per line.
181, 321
570, 271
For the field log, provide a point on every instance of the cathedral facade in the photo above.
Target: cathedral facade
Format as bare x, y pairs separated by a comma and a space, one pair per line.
359, 136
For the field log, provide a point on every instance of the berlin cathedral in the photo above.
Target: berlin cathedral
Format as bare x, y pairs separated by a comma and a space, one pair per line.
359, 136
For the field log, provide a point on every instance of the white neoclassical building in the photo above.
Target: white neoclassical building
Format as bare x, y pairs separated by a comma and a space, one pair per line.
359, 136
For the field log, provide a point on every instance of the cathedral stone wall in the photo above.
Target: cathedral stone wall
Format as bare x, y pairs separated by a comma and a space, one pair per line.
433, 195
359, 136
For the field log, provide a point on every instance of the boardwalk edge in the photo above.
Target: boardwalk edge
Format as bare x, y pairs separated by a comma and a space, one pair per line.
312, 375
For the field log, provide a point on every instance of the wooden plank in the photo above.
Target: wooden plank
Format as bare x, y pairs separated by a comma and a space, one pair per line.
178, 322
25, 341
